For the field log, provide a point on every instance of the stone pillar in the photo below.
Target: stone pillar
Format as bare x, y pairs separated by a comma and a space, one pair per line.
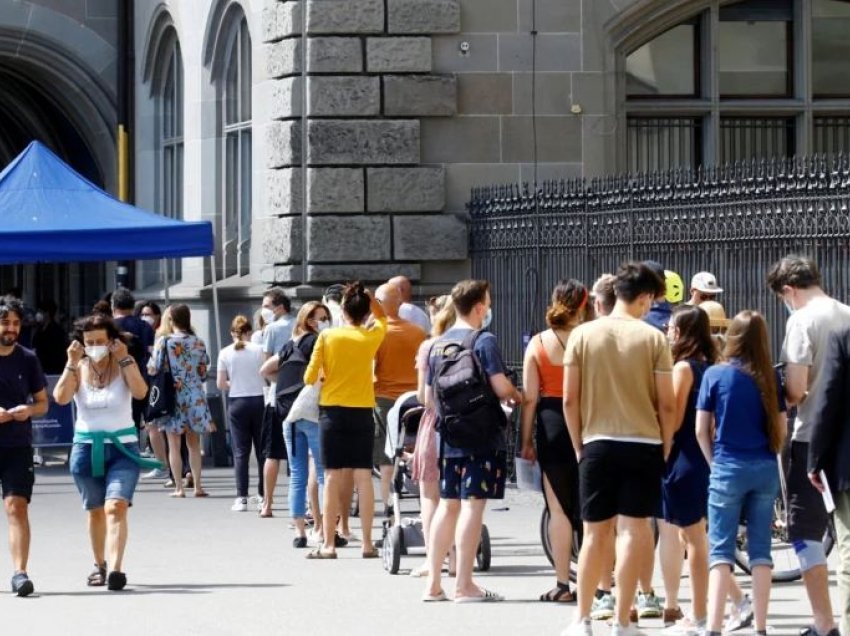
373, 210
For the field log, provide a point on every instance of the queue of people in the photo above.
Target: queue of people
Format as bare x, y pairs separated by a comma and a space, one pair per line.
637, 405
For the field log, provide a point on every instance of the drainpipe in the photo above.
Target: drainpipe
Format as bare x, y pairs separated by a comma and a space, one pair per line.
125, 84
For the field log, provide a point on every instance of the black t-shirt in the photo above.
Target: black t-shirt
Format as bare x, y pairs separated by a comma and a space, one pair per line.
20, 378
143, 337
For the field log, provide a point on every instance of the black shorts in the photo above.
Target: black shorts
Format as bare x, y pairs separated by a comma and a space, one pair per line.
17, 474
379, 454
807, 516
271, 437
346, 436
620, 478
474, 476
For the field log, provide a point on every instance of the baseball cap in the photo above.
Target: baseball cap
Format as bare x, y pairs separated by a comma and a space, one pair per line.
675, 287
706, 283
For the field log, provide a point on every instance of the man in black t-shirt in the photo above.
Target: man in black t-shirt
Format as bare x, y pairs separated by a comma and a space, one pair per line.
141, 344
23, 395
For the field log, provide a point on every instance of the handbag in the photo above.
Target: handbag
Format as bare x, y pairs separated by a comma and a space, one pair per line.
306, 404
162, 397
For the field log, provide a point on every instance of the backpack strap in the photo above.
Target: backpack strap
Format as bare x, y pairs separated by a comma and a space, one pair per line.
470, 339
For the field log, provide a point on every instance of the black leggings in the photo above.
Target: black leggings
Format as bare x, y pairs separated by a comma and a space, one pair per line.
556, 455
245, 416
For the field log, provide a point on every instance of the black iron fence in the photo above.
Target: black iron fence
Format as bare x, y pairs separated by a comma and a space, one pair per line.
734, 221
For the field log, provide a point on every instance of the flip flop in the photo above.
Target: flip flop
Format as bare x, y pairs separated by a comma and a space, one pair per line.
266, 514
319, 554
203, 493
486, 597
371, 554
434, 598
178, 495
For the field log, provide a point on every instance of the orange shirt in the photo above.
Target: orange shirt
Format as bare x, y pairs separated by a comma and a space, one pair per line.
551, 375
395, 362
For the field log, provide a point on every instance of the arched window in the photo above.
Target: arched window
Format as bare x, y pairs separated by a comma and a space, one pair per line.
169, 131
235, 131
753, 79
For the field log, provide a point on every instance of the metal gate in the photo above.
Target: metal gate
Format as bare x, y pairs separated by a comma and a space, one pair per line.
734, 221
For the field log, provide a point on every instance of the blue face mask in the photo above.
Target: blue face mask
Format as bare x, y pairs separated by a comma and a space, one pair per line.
488, 318
788, 307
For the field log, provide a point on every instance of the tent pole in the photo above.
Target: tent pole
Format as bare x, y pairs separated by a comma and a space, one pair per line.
165, 280
217, 328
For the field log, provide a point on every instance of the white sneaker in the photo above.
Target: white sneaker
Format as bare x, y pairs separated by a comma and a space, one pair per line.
258, 501
685, 627
580, 628
240, 504
630, 630
156, 473
741, 615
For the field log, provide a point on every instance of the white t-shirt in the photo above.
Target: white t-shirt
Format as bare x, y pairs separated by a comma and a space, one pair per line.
806, 336
416, 315
243, 369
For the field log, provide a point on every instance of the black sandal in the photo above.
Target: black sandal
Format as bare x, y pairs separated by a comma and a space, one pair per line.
116, 581
299, 542
561, 594
98, 576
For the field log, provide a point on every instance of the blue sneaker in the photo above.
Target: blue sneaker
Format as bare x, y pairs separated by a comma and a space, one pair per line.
21, 584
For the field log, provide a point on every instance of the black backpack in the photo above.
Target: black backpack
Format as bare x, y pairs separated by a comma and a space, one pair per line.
294, 358
468, 411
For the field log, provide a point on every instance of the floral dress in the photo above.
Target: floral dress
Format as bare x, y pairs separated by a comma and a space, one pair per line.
189, 361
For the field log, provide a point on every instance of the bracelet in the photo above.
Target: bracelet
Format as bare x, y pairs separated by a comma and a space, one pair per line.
126, 362
70, 368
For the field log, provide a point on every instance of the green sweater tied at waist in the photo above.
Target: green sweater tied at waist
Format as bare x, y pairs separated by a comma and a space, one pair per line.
98, 438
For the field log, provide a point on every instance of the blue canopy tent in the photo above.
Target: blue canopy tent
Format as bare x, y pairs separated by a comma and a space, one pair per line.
51, 214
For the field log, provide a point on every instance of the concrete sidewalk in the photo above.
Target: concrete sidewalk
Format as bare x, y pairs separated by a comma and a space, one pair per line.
195, 567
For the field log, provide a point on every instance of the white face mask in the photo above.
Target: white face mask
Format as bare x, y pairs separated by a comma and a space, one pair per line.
150, 320
97, 352
267, 314
322, 325
488, 318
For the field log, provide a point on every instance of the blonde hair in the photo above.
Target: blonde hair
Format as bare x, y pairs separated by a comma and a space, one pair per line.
166, 324
304, 314
444, 318
238, 328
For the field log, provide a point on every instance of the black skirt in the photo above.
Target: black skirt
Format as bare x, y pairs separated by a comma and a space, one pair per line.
346, 435
556, 455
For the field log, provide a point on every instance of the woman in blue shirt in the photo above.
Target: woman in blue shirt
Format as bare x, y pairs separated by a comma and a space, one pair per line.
742, 398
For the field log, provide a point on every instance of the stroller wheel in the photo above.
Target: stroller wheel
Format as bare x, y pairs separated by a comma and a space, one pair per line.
484, 554
392, 549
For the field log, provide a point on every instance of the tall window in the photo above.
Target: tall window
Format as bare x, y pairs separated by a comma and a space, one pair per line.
235, 83
170, 143
753, 79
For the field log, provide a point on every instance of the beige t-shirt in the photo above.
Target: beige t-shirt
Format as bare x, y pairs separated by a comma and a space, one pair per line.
619, 357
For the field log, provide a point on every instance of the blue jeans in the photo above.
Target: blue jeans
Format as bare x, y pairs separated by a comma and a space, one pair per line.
119, 482
306, 439
741, 489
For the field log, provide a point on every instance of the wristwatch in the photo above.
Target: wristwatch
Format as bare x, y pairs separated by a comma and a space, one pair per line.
126, 362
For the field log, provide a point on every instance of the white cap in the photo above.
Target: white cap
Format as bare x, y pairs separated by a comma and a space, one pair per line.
706, 283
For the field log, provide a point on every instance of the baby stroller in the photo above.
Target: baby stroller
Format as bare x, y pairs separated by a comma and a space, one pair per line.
404, 534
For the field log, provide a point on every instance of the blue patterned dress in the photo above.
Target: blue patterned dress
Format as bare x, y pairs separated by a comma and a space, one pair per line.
189, 362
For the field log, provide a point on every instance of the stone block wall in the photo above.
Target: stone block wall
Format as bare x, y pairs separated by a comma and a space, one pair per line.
414, 102
374, 207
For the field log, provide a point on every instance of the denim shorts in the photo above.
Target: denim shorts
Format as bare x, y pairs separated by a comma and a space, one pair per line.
741, 491
118, 482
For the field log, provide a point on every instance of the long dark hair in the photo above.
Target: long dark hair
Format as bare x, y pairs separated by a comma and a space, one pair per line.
746, 341
694, 339
181, 317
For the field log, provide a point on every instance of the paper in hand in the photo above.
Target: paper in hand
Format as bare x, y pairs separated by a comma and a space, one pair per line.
828, 501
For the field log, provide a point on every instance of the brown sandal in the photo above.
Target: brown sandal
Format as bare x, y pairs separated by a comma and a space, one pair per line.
98, 576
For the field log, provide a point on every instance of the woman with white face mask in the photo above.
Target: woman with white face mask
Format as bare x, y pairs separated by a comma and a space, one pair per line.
102, 378
301, 435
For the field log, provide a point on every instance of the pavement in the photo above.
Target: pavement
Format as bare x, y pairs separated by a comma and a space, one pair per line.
195, 567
